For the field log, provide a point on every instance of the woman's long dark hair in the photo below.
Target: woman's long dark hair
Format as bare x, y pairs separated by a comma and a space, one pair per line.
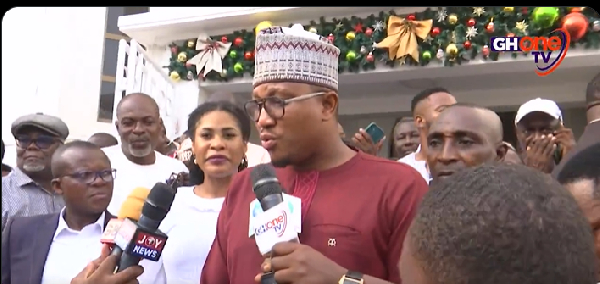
243, 120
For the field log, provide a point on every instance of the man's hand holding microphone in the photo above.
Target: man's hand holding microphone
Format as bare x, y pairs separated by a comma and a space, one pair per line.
286, 260
101, 271
131, 237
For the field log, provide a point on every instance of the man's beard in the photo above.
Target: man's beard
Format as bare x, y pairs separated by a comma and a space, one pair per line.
140, 152
281, 164
33, 167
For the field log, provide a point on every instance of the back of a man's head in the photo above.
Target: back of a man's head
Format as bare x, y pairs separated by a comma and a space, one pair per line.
501, 224
583, 167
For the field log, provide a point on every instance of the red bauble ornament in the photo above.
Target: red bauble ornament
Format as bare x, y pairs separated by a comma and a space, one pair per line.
330, 37
471, 22
435, 31
510, 35
238, 41
358, 28
174, 49
411, 17
224, 39
467, 44
490, 27
369, 32
370, 58
576, 24
249, 55
524, 11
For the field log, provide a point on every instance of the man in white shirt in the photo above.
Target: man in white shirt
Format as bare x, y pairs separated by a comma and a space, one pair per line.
52, 248
135, 159
425, 108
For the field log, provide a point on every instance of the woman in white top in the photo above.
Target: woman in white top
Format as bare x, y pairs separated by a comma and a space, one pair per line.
219, 131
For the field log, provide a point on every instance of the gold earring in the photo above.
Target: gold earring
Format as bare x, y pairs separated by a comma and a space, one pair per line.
196, 163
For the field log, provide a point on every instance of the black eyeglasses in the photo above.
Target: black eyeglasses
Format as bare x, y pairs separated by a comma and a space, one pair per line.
89, 177
42, 142
275, 107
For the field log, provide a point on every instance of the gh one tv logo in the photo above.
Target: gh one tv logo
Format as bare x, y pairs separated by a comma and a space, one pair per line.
548, 52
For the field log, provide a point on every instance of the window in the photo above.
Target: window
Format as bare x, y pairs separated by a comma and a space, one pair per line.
112, 36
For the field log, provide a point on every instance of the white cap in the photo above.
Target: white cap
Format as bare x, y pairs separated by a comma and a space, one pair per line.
546, 106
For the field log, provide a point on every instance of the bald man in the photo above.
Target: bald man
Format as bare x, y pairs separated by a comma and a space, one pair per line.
464, 136
103, 140
256, 154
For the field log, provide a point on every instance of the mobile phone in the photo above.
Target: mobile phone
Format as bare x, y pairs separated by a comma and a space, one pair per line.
557, 154
375, 132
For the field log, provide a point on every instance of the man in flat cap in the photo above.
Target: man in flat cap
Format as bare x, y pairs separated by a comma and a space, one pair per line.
355, 207
27, 190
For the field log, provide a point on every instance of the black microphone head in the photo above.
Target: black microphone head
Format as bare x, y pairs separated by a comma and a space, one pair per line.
264, 181
159, 202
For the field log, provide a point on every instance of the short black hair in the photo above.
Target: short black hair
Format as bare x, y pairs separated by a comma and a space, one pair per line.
243, 120
500, 224
584, 165
592, 94
57, 164
423, 95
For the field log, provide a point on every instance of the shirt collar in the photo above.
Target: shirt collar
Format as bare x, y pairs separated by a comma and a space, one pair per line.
62, 224
21, 178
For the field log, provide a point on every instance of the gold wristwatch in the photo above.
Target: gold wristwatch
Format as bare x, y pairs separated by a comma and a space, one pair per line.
352, 277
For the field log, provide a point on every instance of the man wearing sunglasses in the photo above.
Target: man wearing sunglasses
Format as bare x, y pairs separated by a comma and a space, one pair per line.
27, 191
52, 248
355, 207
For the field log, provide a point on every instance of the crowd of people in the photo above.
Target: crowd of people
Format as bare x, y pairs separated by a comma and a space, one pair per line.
454, 203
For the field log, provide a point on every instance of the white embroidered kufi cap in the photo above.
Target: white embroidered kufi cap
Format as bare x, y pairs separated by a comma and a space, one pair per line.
285, 54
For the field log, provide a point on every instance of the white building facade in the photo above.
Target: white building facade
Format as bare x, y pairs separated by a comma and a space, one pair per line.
72, 62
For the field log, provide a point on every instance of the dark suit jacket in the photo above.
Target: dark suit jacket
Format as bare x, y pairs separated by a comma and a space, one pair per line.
590, 136
25, 245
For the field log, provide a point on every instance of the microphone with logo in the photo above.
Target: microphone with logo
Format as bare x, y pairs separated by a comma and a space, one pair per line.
270, 226
143, 240
132, 209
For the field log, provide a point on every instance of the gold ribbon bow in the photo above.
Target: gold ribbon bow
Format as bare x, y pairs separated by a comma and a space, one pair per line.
402, 37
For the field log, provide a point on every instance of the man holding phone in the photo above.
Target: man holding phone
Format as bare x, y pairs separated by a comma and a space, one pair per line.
541, 135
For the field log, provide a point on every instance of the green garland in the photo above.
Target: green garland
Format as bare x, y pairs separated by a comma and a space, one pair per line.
447, 43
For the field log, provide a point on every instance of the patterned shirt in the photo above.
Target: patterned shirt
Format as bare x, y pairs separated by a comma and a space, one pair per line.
22, 197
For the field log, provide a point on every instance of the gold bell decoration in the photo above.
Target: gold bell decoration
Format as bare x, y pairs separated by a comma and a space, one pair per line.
182, 57
261, 26
402, 37
453, 19
451, 51
174, 75
191, 43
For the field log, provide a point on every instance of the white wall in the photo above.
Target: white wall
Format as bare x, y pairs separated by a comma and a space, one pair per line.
51, 63
55, 57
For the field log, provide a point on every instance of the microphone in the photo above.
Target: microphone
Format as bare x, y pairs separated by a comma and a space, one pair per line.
271, 226
143, 240
131, 208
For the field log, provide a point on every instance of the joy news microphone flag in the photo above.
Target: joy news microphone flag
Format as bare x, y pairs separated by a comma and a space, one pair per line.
142, 239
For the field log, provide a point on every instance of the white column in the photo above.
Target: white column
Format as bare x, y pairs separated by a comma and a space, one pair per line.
188, 97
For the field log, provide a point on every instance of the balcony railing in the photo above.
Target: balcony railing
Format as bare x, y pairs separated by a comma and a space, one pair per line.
137, 73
